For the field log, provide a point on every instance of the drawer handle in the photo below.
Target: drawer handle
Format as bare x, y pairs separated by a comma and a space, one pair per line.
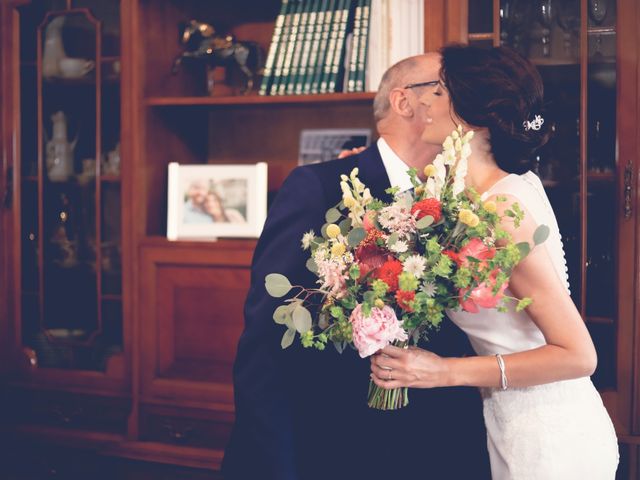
178, 435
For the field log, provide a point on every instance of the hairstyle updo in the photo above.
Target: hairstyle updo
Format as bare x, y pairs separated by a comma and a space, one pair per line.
498, 89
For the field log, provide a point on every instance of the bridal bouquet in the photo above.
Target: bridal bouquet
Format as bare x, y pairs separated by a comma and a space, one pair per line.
388, 271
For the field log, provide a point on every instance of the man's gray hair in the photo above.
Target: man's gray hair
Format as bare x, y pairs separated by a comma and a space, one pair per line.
394, 77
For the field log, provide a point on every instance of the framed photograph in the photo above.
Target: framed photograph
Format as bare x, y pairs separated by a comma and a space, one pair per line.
320, 145
211, 201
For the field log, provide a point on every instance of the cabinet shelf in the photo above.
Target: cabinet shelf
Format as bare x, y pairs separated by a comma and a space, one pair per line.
600, 320
260, 100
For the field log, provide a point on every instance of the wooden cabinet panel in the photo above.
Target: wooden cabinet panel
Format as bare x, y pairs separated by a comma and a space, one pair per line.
193, 296
185, 427
69, 411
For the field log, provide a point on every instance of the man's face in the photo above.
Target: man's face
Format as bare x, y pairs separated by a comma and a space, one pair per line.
197, 192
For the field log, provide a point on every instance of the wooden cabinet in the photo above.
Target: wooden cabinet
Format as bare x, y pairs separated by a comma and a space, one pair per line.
150, 374
586, 52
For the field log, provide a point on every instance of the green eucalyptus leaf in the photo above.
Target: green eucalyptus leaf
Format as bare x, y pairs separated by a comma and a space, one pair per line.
424, 222
311, 265
524, 248
332, 215
356, 236
345, 226
277, 285
541, 234
287, 338
339, 346
301, 319
282, 315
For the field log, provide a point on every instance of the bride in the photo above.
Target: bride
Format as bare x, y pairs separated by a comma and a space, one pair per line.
545, 420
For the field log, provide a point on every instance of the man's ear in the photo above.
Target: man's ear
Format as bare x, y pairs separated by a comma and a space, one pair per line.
400, 103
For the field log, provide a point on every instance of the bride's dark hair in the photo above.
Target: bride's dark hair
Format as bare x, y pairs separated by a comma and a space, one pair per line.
498, 89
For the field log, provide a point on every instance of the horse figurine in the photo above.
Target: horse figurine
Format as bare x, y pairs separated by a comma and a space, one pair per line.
200, 41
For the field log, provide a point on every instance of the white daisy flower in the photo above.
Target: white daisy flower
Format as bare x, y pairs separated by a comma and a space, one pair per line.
307, 238
429, 288
415, 264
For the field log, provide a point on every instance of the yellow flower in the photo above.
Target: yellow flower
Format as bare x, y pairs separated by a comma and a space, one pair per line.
474, 220
465, 216
337, 250
429, 170
378, 303
490, 206
419, 190
333, 230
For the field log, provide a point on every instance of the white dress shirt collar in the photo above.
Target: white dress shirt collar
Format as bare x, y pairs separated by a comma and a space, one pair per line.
395, 167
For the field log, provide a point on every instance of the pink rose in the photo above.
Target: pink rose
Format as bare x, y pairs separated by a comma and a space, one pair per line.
482, 295
376, 331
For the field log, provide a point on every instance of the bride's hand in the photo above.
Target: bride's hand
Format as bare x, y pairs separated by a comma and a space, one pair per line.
394, 367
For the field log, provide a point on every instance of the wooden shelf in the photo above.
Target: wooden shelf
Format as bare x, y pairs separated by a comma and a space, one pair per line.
601, 176
481, 36
327, 98
600, 320
227, 243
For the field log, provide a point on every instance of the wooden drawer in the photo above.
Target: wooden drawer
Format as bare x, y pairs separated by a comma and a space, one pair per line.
185, 427
69, 410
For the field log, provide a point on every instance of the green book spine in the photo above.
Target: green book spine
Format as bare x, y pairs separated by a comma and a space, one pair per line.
314, 47
306, 47
291, 45
323, 46
267, 77
301, 36
282, 47
355, 48
337, 67
364, 46
331, 46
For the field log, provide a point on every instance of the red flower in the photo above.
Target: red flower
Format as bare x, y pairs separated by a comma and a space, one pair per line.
404, 299
389, 272
368, 254
428, 206
452, 255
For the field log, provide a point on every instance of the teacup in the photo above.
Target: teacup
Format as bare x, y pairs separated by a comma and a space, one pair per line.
75, 67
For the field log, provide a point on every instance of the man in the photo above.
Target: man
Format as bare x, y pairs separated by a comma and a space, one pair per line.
302, 414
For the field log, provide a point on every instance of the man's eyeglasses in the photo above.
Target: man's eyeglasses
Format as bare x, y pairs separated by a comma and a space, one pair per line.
431, 83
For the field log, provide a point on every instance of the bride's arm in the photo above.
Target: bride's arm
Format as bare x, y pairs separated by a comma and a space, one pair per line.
569, 352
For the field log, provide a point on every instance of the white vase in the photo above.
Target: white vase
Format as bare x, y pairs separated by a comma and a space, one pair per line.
60, 150
53, 48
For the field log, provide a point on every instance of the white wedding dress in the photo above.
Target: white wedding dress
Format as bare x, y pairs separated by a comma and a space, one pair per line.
557, 431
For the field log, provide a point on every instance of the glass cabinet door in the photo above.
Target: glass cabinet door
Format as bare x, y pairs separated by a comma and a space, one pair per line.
69, 163
575, 52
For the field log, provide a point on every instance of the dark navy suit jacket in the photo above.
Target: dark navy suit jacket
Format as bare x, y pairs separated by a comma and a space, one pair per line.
302, 414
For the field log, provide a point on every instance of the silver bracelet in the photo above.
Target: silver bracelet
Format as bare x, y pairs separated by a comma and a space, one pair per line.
503, 375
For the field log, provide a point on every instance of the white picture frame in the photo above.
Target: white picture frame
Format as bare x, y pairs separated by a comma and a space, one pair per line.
206, 202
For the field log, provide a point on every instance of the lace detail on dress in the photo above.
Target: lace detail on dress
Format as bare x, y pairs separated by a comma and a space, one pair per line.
558, 431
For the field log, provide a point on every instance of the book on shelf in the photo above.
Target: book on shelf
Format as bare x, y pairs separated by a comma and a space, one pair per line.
273, 49
326, 46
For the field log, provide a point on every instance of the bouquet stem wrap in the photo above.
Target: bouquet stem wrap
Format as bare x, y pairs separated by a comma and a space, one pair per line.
388, 399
